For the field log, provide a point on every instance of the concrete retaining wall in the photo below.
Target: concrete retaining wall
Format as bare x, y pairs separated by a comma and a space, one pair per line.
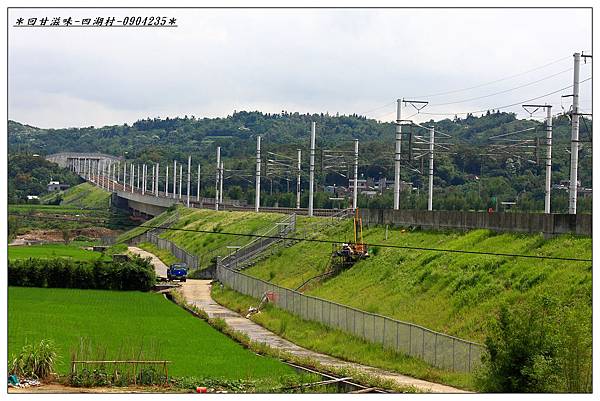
549, 224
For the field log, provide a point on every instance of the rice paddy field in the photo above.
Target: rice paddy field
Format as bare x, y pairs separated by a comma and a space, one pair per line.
124, 322
49, 251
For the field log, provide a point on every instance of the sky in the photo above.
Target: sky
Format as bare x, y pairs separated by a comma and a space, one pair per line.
306, 60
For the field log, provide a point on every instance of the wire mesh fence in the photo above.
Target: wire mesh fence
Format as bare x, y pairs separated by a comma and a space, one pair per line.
181, 254
437, 349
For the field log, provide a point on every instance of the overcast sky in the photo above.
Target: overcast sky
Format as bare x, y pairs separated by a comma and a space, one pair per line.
337, 60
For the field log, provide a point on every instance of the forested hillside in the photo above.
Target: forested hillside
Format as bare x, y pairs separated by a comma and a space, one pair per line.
29, 175
457, 172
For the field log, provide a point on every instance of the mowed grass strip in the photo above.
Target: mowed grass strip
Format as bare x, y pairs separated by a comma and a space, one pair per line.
50, 251
128, 320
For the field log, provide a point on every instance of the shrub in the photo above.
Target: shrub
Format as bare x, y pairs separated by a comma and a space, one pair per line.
35, 361
538, 347
135, 274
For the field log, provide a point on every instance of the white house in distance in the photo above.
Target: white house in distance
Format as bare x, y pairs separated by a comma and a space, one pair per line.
56, 186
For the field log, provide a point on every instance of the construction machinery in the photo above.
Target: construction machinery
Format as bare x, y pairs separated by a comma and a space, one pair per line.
351, 252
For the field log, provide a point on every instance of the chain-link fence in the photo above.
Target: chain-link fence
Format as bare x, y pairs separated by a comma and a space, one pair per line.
179, 253
435, 348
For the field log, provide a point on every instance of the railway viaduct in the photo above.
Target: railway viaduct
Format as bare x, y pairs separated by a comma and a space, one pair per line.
149, 201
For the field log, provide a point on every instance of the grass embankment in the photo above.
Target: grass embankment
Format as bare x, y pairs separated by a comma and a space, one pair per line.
124, 322
320, 338
85, 196
73, 251
147, 226
457, 294
212, 244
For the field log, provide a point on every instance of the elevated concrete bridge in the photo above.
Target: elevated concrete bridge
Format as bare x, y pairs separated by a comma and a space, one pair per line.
146, 199
129, 191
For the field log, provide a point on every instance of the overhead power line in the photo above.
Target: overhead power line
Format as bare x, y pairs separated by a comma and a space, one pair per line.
501, 92
506, 106
514, 255
470, 87
494, 81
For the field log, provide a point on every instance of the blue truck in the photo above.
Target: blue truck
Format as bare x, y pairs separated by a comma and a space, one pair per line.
177, 271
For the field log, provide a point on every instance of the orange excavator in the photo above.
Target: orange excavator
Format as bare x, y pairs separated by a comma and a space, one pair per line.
343, 256
351, 252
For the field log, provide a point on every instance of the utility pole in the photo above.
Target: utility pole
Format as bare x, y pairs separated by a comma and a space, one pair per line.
431, 144
418, 105
167, 183
198, 185
138, 177
174, 179
152, 179
257, 189
180, 178
548, 182
355, 193
217, 178
144, 178
574, 136
298, 179
157, 176
189, 178
221, 184
397, 155
124, 176
132, 176
548, 159
311, 171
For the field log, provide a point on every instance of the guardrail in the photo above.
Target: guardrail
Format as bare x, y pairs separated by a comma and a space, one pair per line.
438, 349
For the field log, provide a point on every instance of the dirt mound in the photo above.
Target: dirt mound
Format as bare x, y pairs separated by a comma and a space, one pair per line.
57, 235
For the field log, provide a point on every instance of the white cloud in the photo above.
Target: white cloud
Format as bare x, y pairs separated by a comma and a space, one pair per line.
341, 60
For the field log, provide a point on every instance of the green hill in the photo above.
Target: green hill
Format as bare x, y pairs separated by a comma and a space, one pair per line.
507, 178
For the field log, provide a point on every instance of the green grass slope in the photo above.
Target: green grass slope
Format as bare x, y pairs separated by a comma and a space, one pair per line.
209, 245
453, 293
147, 226
115, 319
86, 196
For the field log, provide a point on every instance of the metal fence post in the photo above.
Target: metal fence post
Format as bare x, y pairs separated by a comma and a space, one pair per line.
397, 336
470, 346
453, 366
435, 351
383, 339
374, 336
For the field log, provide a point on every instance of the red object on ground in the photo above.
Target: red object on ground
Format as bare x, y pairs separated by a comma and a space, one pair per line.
201, 389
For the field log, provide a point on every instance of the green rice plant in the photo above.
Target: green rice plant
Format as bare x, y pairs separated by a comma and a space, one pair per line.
98, 370
35, 360
125, 322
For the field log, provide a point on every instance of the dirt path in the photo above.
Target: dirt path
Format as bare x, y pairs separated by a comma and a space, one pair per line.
159, 266
56, 388
197, 292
